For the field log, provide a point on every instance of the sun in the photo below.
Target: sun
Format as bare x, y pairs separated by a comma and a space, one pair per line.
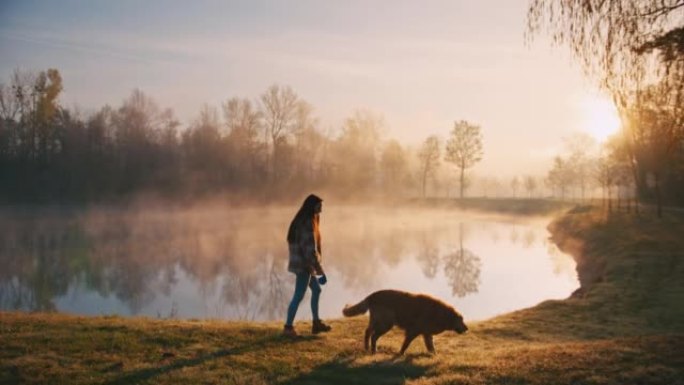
599, 117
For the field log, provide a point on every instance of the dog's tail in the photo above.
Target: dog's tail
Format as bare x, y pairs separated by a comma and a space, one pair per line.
358, 309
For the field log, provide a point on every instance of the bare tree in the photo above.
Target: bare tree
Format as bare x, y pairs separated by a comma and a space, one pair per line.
464, 148
9, 102
23, 92
31, 102
428, 155
204, 150
246, 152
278, 108
309, 140
14, 113
241, 118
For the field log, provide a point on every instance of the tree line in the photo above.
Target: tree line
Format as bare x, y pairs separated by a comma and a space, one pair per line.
274, 148
266, 148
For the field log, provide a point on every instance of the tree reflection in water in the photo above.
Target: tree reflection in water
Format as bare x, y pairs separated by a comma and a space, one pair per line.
462, 268
237, 256
37, 264
258, 294
136, 257
222, 262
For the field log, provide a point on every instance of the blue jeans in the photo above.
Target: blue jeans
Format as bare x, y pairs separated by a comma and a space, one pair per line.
303, 280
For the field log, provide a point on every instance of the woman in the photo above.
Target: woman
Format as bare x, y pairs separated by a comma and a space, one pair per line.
304, 241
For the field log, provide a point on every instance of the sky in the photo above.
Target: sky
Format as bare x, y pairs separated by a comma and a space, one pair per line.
420, 64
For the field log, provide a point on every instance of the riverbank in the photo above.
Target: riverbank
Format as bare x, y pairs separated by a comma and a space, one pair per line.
625, 325
502, 206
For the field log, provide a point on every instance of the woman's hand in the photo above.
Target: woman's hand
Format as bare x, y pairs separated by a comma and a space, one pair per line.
322, 279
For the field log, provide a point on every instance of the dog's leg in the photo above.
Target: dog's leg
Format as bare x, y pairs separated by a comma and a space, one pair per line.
370, 330
428, 343
408, 338
378, 331
367, 336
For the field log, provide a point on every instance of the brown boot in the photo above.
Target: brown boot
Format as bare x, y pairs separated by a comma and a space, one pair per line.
288, 331
319, 327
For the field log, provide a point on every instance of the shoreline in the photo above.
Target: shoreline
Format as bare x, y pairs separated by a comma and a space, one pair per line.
590, 269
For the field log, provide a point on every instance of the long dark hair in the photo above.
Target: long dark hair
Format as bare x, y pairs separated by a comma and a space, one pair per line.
306, 211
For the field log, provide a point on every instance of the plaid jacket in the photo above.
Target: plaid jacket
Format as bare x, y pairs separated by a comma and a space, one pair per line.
305, 251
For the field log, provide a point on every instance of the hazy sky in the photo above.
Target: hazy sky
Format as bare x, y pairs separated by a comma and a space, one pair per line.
421, 64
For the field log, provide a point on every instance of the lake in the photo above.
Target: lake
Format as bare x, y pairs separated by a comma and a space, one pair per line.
231, 263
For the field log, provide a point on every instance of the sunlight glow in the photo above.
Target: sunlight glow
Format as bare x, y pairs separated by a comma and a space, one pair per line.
599, 117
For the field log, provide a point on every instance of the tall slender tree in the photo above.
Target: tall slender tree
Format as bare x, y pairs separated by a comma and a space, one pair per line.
464, 148
279, 109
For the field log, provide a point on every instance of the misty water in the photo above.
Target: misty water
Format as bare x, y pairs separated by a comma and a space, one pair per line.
230, 263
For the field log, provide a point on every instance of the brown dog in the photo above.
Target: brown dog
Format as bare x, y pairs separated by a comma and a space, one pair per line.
417, 314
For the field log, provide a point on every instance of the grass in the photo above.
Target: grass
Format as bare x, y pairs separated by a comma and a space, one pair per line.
625, 326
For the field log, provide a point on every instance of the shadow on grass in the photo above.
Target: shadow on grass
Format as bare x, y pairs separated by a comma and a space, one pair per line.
142, 375
344, 371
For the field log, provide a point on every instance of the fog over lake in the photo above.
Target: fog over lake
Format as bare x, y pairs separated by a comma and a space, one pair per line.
231, 263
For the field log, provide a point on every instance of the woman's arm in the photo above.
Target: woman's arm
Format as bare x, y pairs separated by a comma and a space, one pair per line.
310, 249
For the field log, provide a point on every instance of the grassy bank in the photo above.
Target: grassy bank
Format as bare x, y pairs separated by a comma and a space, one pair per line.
626, 325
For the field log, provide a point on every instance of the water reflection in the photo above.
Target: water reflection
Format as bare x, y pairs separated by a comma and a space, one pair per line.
231, 263
462, 268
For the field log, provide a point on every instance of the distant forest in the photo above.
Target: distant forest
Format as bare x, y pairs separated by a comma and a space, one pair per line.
266, 149
273, 148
